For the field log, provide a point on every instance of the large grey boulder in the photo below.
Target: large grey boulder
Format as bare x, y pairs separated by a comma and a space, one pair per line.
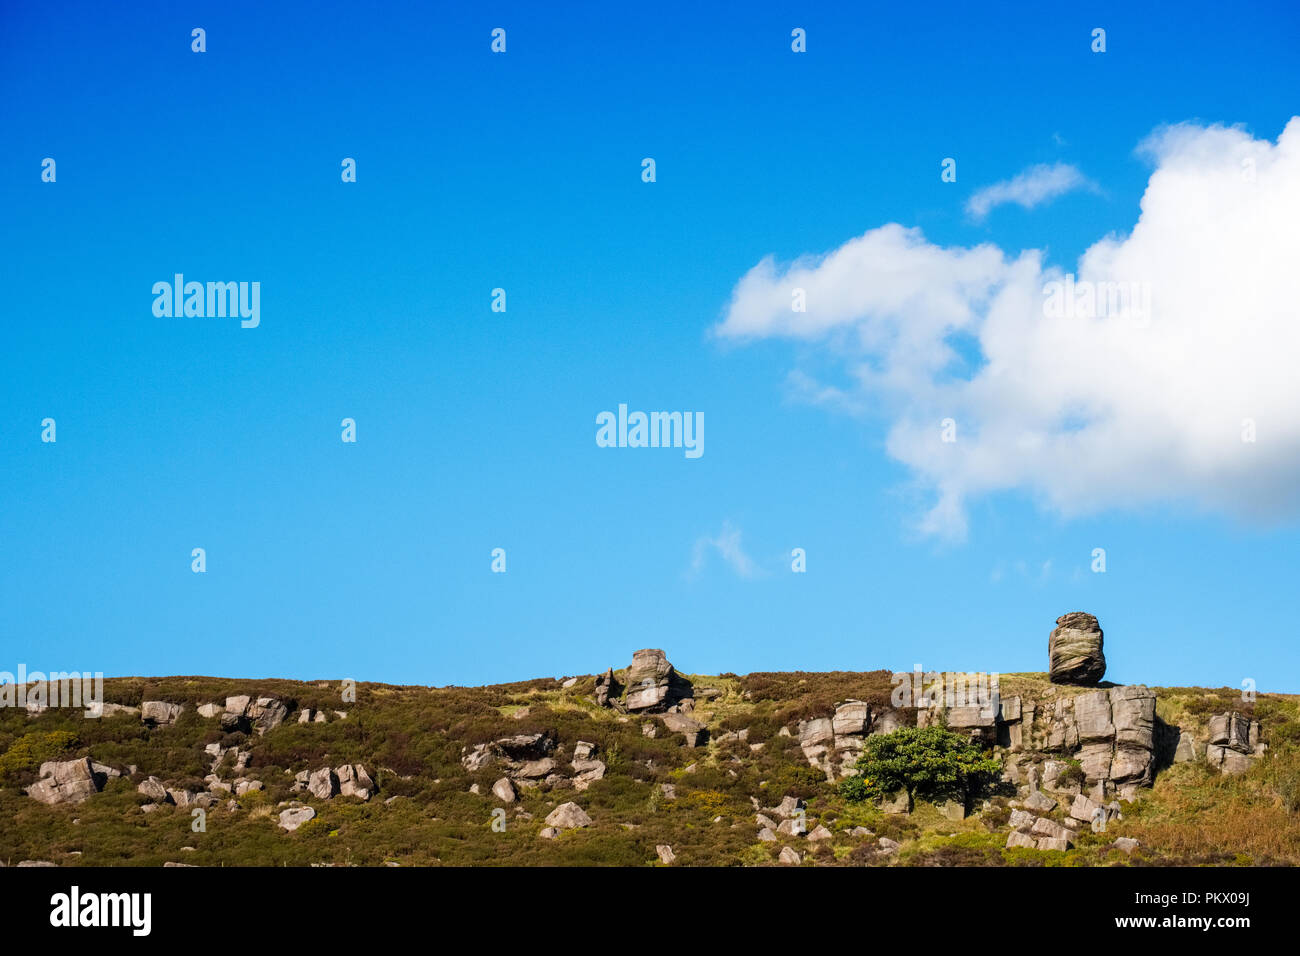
525, 746
67, 781
295, 817
323, 783
852, 717
154, 789
268, 714
160, 713
567, 816
1075, 650
535, 769
354, 781
504, 790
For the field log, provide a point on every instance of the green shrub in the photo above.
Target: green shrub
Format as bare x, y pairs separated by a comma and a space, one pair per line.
930, 762
29, 751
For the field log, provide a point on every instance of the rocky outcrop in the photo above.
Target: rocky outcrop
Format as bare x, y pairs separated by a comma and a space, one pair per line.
653, 685
1074, 650
586, 767
1233, 743
243, 714
979, 723
515, 752
832, 744
607, 688
346, 780
354, 781
67, 781
160, 713
1111, 733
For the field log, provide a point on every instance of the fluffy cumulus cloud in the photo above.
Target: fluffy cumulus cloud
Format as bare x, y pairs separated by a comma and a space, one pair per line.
1141, 377
1035, 186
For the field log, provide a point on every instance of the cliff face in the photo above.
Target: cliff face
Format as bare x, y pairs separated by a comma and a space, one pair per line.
1113, 734
639, 765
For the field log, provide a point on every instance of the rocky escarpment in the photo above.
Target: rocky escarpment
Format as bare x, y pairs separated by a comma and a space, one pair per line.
1111, 739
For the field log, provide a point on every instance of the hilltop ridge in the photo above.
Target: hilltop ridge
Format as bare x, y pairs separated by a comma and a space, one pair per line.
639, 765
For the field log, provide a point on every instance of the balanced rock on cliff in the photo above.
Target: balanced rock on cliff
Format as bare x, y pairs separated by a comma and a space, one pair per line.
1074, 649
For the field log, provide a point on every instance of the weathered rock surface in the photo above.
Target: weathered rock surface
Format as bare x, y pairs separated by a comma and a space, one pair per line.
694, 731
1075, 650
160, 713
514, 752
567, 816
652, 683
504, 790
67, 781
354, 781
323, 783
1233, 743
294, 817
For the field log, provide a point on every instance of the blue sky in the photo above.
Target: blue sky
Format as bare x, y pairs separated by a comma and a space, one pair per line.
475, 428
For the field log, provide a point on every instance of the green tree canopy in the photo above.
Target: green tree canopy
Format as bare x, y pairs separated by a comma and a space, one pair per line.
930, 762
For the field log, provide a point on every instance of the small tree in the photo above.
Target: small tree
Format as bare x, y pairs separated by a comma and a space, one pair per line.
930, 762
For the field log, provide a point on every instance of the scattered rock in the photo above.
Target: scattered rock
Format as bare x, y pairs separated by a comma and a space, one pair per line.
1040, 802
568, 816
789, 857
154, 789
666, 855
504, 790
691, 729
295, 817
353, 781
160, 713
323, 783
1016, 838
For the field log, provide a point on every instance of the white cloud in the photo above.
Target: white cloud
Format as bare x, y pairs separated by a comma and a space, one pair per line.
1140, 403
1036, 185
728, 546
